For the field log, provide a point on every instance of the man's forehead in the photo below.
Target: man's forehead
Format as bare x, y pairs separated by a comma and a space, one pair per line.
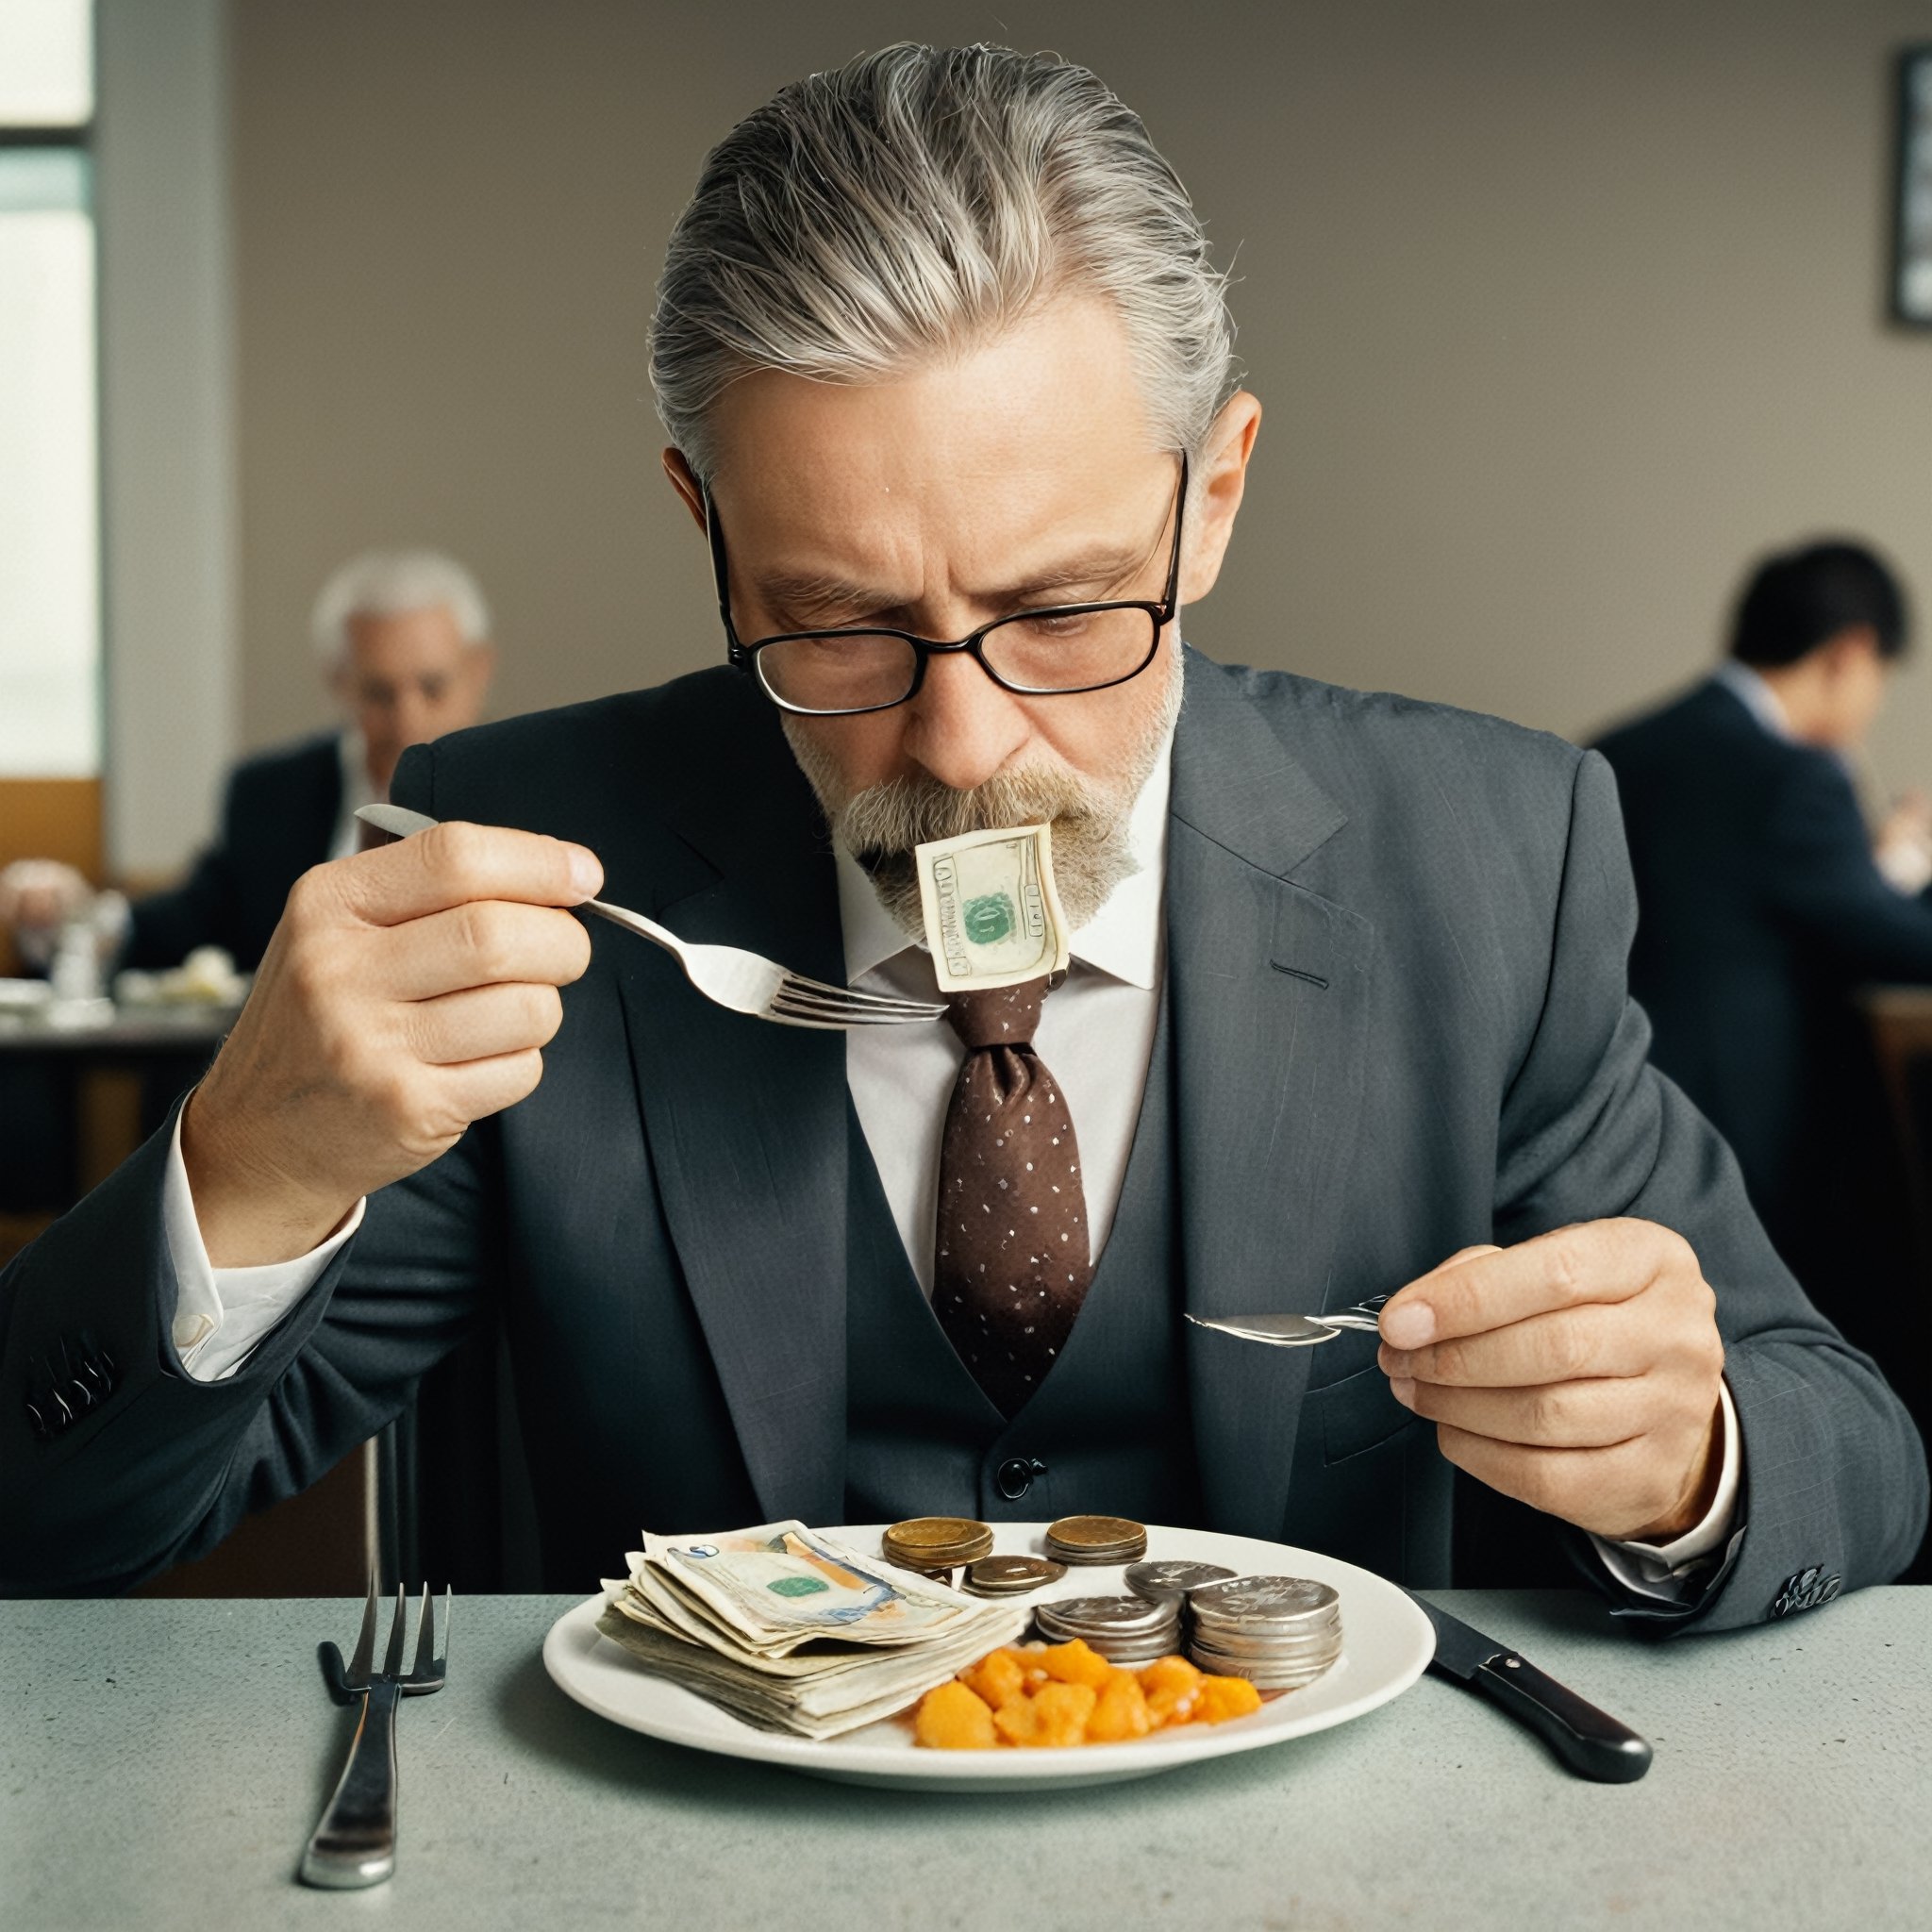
1041, 414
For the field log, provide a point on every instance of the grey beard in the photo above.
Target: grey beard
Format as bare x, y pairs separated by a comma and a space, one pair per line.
881, 824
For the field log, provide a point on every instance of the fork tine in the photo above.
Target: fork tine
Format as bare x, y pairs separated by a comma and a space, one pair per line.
398, 1631
442, 1653
806, 995
823, 1014
857, 997
365, 1643
425, 1635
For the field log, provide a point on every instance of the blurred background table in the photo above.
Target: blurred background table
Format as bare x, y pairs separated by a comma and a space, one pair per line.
80, 1092
164, 1762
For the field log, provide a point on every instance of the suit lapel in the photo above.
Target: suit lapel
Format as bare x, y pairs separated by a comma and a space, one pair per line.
1269, 1005
746, 1123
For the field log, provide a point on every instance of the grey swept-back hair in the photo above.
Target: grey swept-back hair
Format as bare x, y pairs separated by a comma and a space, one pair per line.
388, 583
915, 201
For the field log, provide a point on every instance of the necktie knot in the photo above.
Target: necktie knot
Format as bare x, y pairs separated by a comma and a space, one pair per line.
1002, 1016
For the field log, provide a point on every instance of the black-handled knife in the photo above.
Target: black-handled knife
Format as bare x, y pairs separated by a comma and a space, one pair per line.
1591, 1741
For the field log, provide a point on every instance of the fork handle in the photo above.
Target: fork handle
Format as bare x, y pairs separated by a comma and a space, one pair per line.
356, 1843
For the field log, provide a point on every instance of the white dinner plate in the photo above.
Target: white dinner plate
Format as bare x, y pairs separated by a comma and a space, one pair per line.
1386, 1645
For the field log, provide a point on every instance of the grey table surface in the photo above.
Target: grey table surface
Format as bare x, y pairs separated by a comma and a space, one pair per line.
163, 1762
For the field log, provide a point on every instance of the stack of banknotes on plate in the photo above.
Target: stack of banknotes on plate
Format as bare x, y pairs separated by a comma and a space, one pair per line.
792, 1631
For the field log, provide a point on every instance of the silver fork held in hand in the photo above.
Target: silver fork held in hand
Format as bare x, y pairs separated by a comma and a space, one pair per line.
728, 975
1297, 1332
355, 1844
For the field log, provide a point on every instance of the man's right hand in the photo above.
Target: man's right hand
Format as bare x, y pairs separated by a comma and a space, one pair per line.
408, 991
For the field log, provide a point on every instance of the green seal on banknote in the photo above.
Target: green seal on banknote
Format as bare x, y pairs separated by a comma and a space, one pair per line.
988, 919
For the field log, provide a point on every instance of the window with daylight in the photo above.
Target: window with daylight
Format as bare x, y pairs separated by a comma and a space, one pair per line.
50, 563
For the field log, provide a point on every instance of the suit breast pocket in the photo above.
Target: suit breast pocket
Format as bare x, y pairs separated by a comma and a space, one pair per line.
1358, 1413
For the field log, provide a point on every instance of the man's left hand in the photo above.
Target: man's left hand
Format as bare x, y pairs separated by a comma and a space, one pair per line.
1579, 1373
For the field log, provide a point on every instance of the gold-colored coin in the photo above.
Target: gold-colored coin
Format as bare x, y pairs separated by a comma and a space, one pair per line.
935, 1543
1096, 1532
930, 1532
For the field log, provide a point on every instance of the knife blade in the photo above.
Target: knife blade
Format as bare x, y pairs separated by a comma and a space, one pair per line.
1591, 1741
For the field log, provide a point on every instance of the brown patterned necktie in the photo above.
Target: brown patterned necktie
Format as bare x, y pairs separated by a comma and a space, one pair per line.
1011, 1263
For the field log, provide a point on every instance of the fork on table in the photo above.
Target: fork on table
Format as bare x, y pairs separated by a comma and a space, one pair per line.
1296, 1331
728, 976
355, 1844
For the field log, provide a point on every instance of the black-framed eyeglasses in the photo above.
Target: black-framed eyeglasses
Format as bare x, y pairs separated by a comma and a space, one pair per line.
1052, 652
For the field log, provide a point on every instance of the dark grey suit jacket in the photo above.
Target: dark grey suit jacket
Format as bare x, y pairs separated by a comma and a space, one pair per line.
1397, 937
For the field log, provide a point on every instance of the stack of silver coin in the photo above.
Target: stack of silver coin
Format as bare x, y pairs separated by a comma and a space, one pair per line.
1276, 1631
1170, 1578
1123, 1629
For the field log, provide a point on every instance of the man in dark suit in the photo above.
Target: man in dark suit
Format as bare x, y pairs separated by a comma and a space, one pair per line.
403, 638
1765, 903
1347, 999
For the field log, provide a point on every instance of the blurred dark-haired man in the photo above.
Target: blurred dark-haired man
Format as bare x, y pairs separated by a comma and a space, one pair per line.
1765, 900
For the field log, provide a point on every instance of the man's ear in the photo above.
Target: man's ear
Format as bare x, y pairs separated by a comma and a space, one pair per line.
1217, 483
482, 664
684, 480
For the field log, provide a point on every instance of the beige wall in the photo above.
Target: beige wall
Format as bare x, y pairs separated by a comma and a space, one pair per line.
1559, 311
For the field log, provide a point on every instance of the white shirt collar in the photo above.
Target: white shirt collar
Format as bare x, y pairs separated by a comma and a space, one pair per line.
1122, 939
1756, 697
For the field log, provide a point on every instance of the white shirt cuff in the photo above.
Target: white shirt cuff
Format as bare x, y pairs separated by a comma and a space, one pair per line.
223, 1314
1664, 1570
1905, 865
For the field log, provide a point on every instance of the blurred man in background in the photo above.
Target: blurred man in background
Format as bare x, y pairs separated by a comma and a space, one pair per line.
1765, 902
403, 637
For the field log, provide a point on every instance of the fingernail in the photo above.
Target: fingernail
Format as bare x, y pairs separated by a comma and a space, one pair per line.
586, 875
1403, 1389
1411, 1325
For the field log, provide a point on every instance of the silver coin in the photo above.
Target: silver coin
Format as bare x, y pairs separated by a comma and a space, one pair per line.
1269, 1654
1107, 1616
1171, 1578
1262, 1677
1011, 1575
1274, 1600
1089, 1557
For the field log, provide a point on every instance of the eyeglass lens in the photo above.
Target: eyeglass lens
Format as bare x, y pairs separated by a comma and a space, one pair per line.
1052, 651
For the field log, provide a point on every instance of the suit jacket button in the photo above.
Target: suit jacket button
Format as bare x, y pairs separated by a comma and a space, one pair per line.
1014, 1476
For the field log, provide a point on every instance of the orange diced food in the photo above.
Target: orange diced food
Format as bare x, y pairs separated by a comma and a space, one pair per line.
998, 1677
1173, 1687
1121, 1713
1075, 1663
952, 1718
1062, 1711
1017, 1722
1067, 1693
1225, 1697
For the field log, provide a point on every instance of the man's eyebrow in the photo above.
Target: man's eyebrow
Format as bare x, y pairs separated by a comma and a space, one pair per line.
803, 594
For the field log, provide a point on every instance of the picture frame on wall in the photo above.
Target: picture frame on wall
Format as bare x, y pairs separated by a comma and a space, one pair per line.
1912, 255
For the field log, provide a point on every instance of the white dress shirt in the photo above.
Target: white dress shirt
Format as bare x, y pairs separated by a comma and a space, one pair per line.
359, 789
1097, 1032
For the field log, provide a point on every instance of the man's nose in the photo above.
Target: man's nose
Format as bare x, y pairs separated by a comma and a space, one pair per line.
962, 728
415, 719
